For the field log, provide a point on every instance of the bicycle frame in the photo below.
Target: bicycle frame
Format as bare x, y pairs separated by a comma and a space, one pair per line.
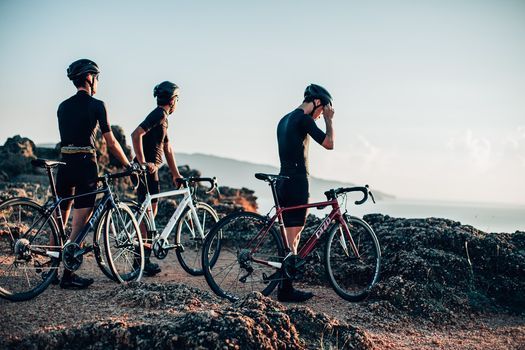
52, 205
187, 201
310, 244
98, 210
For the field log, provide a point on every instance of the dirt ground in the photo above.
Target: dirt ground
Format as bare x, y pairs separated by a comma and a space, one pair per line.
387, 328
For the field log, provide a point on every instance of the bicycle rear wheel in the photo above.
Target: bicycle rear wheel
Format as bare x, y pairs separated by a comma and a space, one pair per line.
352, 276
29, 249
188, 240
238, 254
123, 244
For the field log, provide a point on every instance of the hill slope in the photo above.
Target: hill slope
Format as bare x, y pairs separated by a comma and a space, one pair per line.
236, 173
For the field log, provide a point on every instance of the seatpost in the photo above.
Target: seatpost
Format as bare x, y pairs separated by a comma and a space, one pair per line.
52, 182
274, 193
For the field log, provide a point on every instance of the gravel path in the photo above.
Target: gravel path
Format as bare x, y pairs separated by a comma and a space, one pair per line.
387, 328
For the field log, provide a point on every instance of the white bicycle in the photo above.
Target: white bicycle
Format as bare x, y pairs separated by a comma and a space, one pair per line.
192, 220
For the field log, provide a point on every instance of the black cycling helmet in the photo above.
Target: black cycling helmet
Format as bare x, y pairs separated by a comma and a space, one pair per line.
80, 68
166, 90
314, 91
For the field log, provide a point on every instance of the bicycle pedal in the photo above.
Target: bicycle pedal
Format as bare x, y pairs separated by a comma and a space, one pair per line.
173, 246
274, 276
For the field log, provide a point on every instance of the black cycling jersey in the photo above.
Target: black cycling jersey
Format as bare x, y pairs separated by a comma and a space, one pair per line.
292, 133
78, 117
156, 127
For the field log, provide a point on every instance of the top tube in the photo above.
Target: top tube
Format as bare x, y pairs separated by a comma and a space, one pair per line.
171, 193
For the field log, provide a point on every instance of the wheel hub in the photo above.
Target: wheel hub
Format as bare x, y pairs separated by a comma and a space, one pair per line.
22, 249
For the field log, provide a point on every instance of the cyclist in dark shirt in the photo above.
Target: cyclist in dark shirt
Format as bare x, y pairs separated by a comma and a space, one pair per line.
78, 117
293, 141
150, 142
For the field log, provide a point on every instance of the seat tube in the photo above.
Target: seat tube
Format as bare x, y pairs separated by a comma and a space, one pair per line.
52, 182
274, 194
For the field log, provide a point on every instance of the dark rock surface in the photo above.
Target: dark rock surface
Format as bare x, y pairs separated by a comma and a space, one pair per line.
182, 317
438, 268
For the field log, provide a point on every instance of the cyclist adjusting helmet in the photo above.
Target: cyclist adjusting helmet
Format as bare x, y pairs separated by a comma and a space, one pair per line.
78, 118
150, 142
293, 141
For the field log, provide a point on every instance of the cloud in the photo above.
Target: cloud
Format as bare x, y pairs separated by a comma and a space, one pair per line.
478, 150
514, 145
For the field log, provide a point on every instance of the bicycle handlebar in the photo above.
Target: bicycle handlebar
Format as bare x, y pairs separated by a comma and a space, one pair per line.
364, 189
185, 181
135, 168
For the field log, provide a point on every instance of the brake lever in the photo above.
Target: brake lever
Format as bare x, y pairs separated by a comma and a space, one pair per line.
372, 196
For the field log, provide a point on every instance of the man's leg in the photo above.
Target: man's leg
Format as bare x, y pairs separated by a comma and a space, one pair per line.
80, 219
150, 268
69, 279
293, 235
286, 291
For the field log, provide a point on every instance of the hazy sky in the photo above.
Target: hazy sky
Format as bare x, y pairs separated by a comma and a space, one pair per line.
429, 95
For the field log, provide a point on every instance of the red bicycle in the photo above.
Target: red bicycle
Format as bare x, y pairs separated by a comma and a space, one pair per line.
247, 252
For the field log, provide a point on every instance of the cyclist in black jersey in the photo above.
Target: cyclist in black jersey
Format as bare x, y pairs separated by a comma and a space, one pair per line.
78, 117
292, 137
150, 142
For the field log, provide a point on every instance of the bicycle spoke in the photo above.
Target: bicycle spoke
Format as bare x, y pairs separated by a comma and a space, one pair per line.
191, 238
233, 246
26, 233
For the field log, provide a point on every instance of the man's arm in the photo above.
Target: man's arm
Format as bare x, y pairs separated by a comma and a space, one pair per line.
136, 140
172, 164
115, 148
328, 115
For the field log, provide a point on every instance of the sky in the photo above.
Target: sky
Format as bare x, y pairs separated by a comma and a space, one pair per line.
429, 95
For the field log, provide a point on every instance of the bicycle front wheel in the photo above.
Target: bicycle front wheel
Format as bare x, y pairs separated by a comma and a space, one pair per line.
352, 273
123, 244
29, 249
188, 240
242, 254
100, 247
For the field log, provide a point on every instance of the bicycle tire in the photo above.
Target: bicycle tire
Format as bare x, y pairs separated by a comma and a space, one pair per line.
25, 251
189, 245
352, 277
123, 244
146, 220
236, 232
99, 248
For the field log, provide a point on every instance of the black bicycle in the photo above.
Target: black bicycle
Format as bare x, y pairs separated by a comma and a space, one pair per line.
33, 240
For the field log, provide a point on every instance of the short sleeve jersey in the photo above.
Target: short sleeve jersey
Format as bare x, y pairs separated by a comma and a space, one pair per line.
156, 127
293, 141
78, 117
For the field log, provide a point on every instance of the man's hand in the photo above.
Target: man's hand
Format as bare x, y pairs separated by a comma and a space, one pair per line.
328, 112
175, 182
151, 167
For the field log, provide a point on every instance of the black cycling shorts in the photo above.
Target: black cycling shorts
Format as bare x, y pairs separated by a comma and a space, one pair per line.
292, 192
78, 176
153, 187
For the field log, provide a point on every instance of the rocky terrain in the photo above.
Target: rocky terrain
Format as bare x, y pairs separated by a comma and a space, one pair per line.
442, 285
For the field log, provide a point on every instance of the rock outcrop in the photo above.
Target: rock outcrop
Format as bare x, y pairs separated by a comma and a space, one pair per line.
438, 268
19, 178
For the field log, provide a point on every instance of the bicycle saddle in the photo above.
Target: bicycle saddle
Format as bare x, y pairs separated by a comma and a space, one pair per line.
270, 177
44, 163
